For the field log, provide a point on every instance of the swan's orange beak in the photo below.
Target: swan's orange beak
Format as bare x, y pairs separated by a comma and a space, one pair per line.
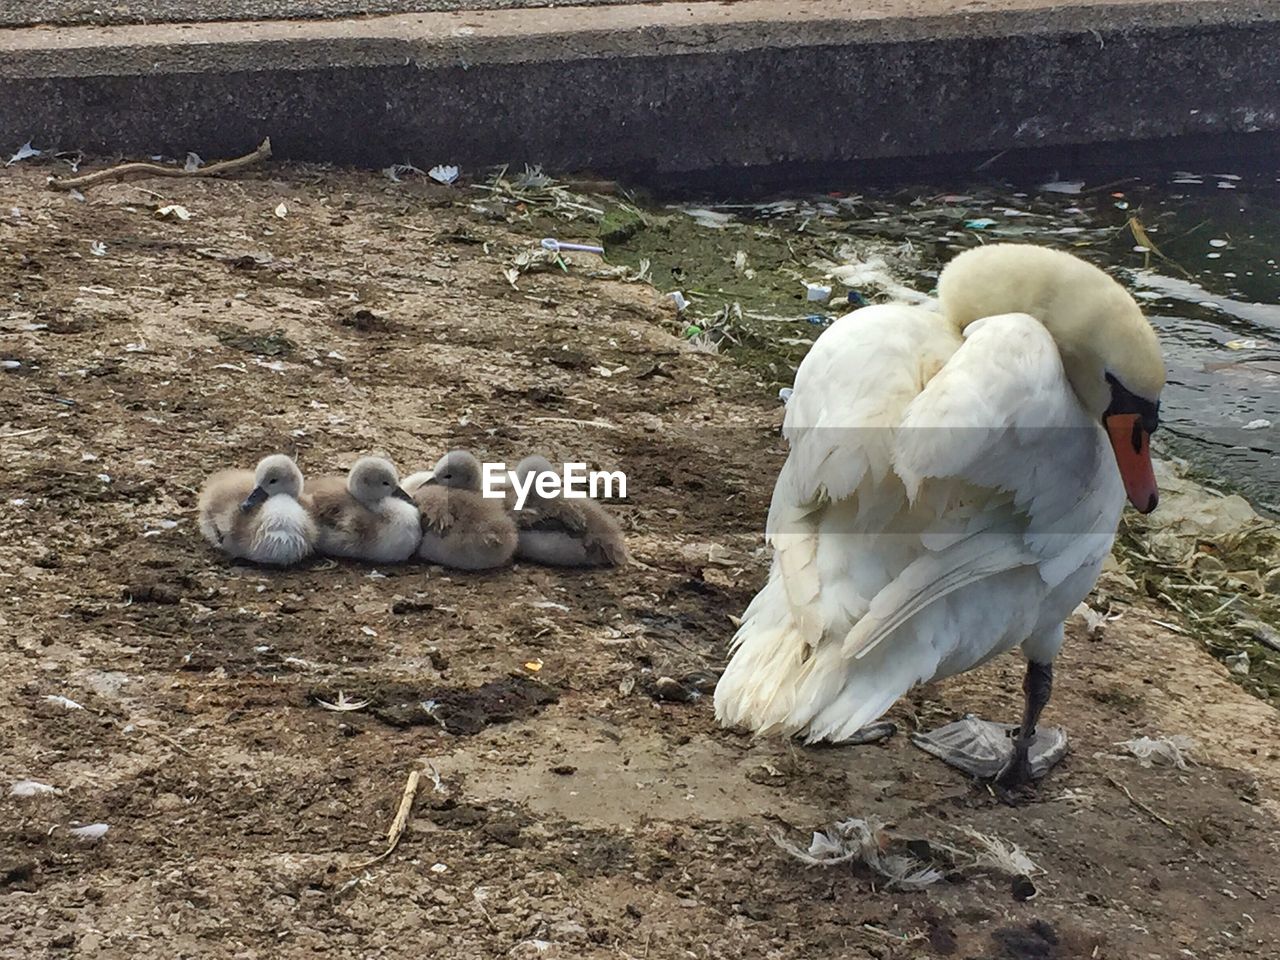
1132, 445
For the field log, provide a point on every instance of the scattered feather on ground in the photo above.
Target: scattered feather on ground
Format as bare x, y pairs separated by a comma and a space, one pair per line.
1002, 855
867, 842
1161, 750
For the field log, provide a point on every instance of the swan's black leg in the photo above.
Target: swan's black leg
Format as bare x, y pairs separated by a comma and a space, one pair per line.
1037, 687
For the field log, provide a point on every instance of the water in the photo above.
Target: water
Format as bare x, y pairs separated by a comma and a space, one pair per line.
1198, 248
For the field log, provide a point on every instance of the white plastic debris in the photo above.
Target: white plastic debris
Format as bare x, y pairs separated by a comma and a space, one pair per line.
98, 248
1258, 424
555, 246
714, 219
443, 173
862, 272
61, 701
92, 831
678, 298
10, 364
1249, 344
193, 163
785, 394
817, 292
1071, 187
1219, 243
1152, 750
32, 788
173, 211
24, 151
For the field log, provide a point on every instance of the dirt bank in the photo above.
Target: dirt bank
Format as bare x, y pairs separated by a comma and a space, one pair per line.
575, 815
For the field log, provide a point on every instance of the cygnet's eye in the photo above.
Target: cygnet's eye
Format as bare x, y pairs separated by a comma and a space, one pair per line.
273, 480
386, 483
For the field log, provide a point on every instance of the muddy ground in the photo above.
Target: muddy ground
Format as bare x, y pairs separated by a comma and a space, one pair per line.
575, 814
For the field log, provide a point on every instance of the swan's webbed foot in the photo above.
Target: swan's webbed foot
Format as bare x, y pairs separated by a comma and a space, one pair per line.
871, 733
1011, 756
993, 751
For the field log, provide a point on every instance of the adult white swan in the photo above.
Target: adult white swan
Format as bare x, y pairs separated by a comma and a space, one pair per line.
953, 487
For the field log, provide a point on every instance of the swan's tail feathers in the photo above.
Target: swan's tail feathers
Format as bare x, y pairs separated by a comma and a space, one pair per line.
779, 684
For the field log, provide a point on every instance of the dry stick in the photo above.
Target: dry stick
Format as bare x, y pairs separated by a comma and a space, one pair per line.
399, 823
578, 423
1140, 805
128, 171
169, 740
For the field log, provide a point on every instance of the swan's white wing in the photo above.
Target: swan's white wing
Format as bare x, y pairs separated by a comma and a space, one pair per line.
850, 394
998, 446
936, 493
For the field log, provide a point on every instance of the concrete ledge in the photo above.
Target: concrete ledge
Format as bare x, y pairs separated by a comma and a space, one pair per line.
654, 88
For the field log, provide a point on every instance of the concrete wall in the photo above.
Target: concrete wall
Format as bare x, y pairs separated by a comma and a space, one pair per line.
651, 97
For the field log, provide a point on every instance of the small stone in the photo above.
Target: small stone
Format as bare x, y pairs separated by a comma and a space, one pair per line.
1023, 888
673, 691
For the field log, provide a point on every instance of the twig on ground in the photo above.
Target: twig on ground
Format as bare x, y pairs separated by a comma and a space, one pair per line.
169, 740
894, 937
399, 823
128, 171
578, 423
1145, 808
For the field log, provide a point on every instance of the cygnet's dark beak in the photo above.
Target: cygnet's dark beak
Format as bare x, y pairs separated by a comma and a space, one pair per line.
255, 498
399, 494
